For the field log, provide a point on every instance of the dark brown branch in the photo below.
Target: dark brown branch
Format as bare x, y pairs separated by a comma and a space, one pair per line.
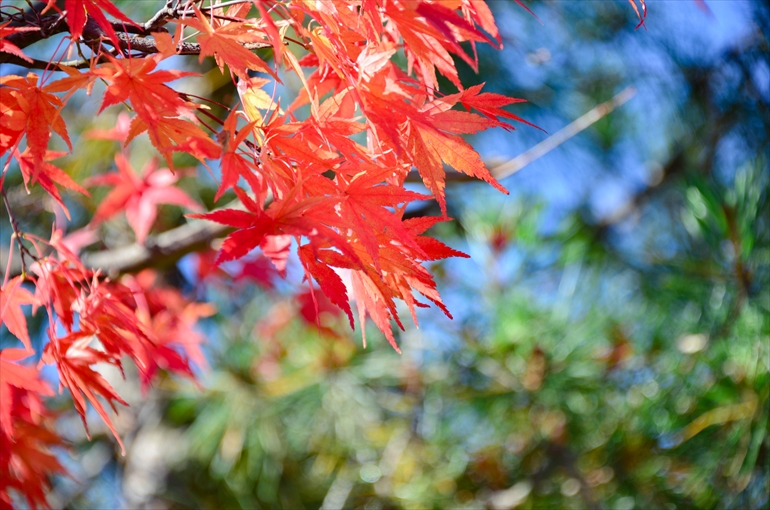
147, 44
160, 17
94, 36
50, 25
17, 233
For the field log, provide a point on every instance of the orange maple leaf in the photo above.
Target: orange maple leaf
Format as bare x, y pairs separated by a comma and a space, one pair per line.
12, 296
48, 175
79, 10
31, 110
139, 196
74, 357
225, 43
8, 47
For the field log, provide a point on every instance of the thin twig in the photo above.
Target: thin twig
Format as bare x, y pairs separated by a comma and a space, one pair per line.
160, 17
511, 167
17, 233
503, 170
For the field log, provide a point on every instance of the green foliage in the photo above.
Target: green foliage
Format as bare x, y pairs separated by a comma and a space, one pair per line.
622, 387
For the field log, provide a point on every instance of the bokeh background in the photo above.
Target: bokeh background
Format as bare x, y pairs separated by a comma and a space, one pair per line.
610, 346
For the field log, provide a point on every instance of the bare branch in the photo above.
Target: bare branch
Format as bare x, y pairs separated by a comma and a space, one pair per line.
503, 170
158, 251
511, 167
160, 17
146, 44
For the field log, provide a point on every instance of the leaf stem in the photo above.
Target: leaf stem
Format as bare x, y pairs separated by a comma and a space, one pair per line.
17, 233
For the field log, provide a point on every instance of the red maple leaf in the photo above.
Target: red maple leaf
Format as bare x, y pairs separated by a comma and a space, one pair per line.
363, 203
48, 175
8, 47
16, 378
31, 110
134, 79
26, 432
488, 104
432, 148
74, 357
255, 226
79, 10
139, 196
12, 296
155, 103
224, 41
481, 14
170, 134
27, 463
233, 164
329, 280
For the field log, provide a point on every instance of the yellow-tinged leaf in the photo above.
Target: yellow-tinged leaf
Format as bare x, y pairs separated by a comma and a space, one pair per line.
721, 415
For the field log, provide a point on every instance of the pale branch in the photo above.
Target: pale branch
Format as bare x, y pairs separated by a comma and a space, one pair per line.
541, 149
158, 251
510, 167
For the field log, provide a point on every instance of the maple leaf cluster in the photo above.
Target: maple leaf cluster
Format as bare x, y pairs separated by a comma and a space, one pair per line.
92, 321
325, 174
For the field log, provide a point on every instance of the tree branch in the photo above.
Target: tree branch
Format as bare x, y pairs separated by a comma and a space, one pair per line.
586, 120
160, 17
49, 25
17, 233
162, 250
94, 36
146, 44
158, 251
44, 64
